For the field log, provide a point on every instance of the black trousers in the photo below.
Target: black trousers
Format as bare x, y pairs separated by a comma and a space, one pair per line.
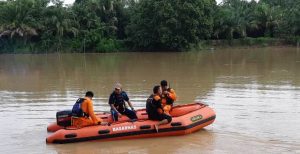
129, 113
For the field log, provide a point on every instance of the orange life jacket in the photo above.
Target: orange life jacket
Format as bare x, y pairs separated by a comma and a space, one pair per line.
170, 98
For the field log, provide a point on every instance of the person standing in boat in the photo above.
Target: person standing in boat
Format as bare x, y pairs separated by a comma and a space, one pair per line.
155, 110
168, 97
117, 101
83, 112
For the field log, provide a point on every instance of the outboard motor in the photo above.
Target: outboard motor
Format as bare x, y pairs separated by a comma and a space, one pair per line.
63, 118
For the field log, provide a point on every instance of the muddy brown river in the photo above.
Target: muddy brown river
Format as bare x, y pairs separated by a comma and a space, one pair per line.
255, 93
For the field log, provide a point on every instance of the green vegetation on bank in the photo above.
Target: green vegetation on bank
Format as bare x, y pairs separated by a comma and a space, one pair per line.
39, 26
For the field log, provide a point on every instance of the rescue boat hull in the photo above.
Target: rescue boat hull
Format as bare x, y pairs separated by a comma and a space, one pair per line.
186, 119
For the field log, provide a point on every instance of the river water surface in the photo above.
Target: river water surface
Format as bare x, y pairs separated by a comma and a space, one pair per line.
255, 93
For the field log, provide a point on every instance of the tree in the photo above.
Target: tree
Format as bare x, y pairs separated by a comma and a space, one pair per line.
20, 22
233, 19
109, 25
18, 19
90, 28
289, 11
268, 18
169, 24
290, 23
59, 23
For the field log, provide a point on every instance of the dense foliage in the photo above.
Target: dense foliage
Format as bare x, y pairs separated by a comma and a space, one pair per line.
170, 24
121, 25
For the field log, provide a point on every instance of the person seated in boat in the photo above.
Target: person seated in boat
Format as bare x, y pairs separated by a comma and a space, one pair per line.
117, 101
83, 112
155, 110
168, 97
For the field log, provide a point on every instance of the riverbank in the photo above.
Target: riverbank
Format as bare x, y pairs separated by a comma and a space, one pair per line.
145, 25
122, 46
247, 42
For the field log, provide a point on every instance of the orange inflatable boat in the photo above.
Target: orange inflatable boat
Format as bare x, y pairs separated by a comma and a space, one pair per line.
186, 119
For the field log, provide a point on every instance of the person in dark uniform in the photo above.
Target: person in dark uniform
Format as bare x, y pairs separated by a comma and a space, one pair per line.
117, 101
155, 110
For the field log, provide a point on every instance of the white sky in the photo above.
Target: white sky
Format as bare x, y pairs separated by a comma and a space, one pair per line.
72, 1
69, 1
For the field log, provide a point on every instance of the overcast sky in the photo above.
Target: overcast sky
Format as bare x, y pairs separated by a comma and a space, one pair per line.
71, 1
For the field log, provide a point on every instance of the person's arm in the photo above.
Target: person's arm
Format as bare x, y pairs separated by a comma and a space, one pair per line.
113, 107
157, 104
111, 103
92, 114
172, 94
126, 98
130, 104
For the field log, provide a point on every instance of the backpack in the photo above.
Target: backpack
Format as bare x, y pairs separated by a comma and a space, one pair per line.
76, 110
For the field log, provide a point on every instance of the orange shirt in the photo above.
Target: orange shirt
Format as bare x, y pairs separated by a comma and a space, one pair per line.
172, 94
87, 107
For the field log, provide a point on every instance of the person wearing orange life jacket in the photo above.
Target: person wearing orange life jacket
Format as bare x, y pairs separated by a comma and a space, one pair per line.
168, 97
154, 108
83, 112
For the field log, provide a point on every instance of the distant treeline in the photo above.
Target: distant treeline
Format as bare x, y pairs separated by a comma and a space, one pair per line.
39, 26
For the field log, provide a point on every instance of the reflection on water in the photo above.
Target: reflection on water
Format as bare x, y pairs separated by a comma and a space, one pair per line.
255, 93
143, 145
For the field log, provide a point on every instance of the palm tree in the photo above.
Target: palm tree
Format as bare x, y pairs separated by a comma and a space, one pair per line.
107, 13
17, 20
232, 18
268, 17
90, 27
59, 22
